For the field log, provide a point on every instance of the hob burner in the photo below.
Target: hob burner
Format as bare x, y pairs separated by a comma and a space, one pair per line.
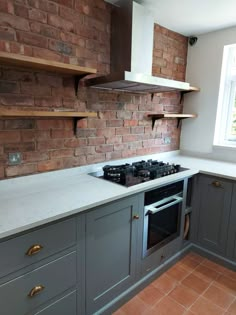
139, 172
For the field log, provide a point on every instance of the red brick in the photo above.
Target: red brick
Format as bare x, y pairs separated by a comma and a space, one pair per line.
128, 123
108, 132
113, 155
120, 147
7, 33
37, 15
62, 153
96, 158
115, 123
137, 130
9, 136
113, 140
35, 156
96, 123
19, 147
32, 39
96, 141
2, 172
15, 22
50, 144
130, 138
84, 133
28, 135
48, 102
50, 165
6, 6
60, 23
123, 131
46, 54
129, 153
85, 150
60, 47
35, 89
20, 170
104, 148
19, 123
74, 143
9, 87
18, 75
46, 124
45, 30
74, 161
135, 145
21, 10
62, 134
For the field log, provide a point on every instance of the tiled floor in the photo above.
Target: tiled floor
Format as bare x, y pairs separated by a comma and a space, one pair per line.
194, 285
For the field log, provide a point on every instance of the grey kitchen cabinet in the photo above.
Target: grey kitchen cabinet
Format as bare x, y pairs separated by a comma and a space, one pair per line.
40, 269
231, 248
112, 234
213, 206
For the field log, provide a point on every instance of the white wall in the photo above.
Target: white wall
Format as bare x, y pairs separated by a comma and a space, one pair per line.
203, 70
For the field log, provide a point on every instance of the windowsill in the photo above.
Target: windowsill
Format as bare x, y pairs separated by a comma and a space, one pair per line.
225, 146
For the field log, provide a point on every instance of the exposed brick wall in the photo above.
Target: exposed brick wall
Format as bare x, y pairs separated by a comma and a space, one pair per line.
78, 31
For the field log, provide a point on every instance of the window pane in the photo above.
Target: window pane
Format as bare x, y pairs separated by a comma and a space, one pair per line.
232, 118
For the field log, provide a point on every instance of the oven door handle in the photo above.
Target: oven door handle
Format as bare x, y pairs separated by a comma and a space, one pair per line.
163, 204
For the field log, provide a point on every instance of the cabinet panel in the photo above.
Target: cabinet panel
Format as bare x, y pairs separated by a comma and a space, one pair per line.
231, 249
64, 306
214, 209
110, 251
51, 238
55, 277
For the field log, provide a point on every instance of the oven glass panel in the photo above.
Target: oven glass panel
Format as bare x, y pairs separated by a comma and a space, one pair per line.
163, 226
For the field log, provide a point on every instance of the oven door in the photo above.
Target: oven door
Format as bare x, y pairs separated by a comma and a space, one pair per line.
161, 223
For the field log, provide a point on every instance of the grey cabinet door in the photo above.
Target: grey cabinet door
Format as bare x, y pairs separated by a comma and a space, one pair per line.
231, 249
214, 208
111, 246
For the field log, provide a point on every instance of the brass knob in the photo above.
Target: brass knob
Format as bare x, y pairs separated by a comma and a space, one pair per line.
34, 249
216, 184
36, 290
136, 217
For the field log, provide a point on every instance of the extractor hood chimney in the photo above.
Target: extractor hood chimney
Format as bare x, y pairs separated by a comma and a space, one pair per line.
132, 31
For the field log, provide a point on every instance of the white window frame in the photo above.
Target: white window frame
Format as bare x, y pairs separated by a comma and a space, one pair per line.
226, 99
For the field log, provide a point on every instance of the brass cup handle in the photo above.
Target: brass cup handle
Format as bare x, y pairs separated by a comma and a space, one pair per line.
36, 290
216, 184
34, 249
136, 217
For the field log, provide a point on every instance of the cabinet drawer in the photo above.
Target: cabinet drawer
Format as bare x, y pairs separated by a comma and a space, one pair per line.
52, 239
66, 305
55, 277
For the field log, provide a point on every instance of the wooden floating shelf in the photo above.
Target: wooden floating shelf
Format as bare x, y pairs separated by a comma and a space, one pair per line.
169, 116
35, 113
7, 113
42, 64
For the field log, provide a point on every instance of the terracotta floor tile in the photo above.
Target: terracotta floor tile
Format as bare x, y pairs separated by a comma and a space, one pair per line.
167, 306
188, 313
204, 307
165, 283
205, 273
188, 263
230, 274
195, 283
178, 273
226, 283
232, 308
134, 307
212, 265
196, 257
150, 295
183, 295
219, 296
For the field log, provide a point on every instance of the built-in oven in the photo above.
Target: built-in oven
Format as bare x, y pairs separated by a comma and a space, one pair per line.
162, 216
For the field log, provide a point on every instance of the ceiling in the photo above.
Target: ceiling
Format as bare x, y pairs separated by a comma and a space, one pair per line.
192, 17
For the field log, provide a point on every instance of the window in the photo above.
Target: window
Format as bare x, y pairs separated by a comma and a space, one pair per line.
225, 131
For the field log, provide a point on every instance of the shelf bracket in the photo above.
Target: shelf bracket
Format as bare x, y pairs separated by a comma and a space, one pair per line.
154, 118
179, 121
77, 78
76, 119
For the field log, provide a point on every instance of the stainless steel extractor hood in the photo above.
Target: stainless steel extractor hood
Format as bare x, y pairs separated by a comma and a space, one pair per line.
132, 30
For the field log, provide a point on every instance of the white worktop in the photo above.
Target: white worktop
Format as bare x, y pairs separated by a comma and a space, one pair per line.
30, 201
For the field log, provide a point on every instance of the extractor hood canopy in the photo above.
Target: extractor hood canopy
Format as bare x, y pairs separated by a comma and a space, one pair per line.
132, 31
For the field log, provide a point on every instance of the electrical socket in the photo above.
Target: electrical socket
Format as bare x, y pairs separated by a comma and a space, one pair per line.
14, 158
167, 140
